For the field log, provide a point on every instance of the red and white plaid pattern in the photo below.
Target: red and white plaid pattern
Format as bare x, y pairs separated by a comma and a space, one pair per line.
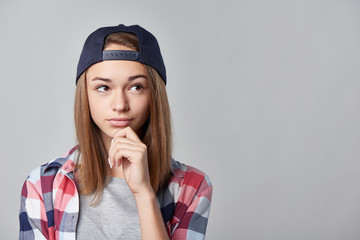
50, 201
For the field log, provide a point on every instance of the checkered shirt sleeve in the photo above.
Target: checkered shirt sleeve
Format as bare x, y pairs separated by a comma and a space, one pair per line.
185, 204
48, 205
33, 219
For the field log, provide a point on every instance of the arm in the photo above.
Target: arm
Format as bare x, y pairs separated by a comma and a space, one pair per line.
31, 211
128, 158
192, 214
151, 222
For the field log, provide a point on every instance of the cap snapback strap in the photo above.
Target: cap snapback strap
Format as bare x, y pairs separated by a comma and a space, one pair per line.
120, 55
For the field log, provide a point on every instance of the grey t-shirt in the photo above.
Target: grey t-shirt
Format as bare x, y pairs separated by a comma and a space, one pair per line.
114, 217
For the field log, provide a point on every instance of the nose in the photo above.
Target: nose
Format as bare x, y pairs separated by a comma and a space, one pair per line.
120, 102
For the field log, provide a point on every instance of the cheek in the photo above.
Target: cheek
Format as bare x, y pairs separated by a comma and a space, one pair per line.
146, 114
144, 108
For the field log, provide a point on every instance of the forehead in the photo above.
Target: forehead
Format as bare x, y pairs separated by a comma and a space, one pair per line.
116, 70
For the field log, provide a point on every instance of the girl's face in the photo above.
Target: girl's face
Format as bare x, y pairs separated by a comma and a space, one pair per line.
119, 94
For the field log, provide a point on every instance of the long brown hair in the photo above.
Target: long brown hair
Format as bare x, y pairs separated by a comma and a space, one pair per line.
93, 169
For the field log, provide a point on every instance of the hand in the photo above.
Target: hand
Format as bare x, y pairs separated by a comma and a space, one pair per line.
127, 151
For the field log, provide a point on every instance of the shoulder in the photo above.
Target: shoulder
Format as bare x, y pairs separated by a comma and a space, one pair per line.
187, 183
186, 175
46, 172
36, 196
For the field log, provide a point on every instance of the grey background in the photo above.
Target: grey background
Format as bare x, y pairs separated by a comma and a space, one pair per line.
264, 98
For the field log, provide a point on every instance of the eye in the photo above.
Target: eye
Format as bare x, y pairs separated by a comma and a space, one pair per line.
102, 88
137, 87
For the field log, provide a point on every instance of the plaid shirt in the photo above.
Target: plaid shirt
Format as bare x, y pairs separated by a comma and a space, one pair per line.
50, 201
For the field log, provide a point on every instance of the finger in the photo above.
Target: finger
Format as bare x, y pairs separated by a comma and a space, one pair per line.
127, 133
139, 151
109, 162
117, 146
126, 141
127, 154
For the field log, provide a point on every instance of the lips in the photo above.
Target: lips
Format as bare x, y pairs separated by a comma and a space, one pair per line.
120, 122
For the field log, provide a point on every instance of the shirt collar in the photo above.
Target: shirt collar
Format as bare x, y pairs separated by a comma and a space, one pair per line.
177, 168
66, 163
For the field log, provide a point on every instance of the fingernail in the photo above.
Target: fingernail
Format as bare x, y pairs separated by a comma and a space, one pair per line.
109, 162
111, 141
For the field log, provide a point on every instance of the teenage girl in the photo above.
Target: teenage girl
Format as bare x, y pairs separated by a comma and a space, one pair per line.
120, 181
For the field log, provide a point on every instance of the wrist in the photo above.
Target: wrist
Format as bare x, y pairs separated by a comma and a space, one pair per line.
147, 194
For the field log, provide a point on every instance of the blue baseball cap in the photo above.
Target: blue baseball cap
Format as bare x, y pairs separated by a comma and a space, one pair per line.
149, 53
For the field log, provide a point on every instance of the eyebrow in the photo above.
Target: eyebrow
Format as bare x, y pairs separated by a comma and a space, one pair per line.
101, 79
131, 78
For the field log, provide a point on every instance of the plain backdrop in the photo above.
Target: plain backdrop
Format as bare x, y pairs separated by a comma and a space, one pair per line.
264, 98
